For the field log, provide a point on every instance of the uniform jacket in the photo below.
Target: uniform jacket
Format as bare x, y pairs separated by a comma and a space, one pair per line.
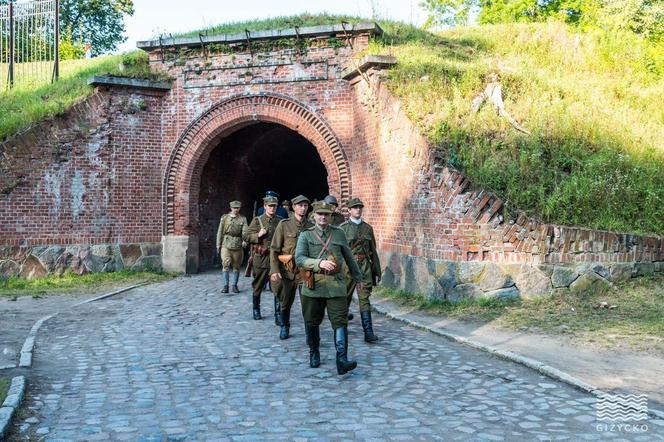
269, 224
309, 253
362, 243
284, 242
231, 231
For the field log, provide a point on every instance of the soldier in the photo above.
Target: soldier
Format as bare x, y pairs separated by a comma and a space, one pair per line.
287, 206
282, 259
336, 218
232, 228
320, 253
260, 234
362, 241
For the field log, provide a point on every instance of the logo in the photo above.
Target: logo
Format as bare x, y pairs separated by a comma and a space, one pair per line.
622, 407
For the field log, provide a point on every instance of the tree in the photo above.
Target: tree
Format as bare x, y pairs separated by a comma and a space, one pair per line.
101, 22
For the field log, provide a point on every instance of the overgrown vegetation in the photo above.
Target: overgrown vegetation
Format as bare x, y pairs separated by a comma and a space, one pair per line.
24, 106
628, 316
5, 383
71, 283
591, 100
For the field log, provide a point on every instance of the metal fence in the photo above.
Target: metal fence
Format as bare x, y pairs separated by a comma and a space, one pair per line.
29, 43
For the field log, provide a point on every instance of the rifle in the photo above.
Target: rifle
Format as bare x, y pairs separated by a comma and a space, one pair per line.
250, 262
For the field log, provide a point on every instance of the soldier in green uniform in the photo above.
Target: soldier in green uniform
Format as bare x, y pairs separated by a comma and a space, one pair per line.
282, 259
288, 207
336, 218
321, 250
232, 228
362, 242
259, 234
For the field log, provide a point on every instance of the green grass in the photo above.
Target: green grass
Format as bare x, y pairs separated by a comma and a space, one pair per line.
635, 323
591, 100
23, 106
4, 388
70, 283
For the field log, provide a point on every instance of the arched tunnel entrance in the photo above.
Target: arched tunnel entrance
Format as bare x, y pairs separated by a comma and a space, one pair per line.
259, 157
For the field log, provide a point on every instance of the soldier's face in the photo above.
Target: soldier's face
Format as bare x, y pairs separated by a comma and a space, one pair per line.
270, 209
356, 212
301, 208
235, 210
322, 219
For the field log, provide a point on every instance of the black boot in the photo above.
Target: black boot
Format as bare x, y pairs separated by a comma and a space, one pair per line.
313, 341
257, 307
341, 344
225, 276
284, 333
277, 312
236, 278
367, 326
225, 289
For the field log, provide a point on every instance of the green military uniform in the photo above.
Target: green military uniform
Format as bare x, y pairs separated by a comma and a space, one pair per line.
363, 244
232, 229
283, 244
261, 252
315, 245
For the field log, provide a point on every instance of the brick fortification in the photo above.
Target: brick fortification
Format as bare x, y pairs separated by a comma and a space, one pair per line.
117, 181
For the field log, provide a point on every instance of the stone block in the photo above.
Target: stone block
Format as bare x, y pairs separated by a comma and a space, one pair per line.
644, 268
494, 278
470, 272
49, 256
130, 254
464, 291
9, 269
33, 268
620, 272
446, 275
601, 270
659, 266
563, 276
148, 263
151, 249
589, 283
532, 282
509, 292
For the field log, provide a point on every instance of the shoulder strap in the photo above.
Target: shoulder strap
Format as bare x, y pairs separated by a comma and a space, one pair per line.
325, 244
260, 222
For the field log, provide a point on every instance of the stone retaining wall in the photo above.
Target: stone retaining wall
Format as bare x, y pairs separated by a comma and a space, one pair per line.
39, 261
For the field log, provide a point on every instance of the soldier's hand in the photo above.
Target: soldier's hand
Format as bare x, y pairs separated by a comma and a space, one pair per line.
327, 265
275, 277
262, 232
244, 244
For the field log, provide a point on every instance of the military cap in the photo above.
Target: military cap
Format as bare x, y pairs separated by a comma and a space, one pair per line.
271, 193
301, 199
286, 202
270, 200
331, 200
322, 207
235, 204
354, 202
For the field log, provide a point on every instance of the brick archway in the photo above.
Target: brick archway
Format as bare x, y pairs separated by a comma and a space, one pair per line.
182, 177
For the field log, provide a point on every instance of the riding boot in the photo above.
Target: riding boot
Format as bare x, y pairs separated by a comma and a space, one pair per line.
225, 276
277, 312
341, 344
367, 326
257, 307
236, 278
284, 333
313, 341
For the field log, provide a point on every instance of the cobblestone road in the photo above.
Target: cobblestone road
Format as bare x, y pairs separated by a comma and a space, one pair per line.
179, 361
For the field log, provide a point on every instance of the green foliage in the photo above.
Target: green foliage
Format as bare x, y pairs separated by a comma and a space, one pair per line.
591, 100
101, 22
72, 283
22, 107
70, 49
4, 388
283, 22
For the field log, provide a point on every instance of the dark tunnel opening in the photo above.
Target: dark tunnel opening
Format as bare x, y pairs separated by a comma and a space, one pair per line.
256, 158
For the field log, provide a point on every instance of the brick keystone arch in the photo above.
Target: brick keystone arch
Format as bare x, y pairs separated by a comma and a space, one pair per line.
185, 165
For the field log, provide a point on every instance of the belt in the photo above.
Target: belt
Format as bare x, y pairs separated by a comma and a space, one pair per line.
263, 251
330, 272
360, 256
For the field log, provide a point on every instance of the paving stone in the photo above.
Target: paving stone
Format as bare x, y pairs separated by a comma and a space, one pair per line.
177, 361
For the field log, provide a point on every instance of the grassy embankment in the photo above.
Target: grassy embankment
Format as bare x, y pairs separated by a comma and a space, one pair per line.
636, 322
24, 106
72, 284
4, 388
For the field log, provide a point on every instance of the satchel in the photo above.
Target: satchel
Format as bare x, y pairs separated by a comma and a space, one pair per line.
288, 262
307, 277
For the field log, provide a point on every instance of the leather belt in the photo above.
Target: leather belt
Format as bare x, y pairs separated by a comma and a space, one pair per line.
360, 257
330, 272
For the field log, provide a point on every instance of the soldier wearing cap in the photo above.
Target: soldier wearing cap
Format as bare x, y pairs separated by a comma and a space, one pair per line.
336, 218
362, 242
322, 250
232, 228
283, 271
288, 207
259, 234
